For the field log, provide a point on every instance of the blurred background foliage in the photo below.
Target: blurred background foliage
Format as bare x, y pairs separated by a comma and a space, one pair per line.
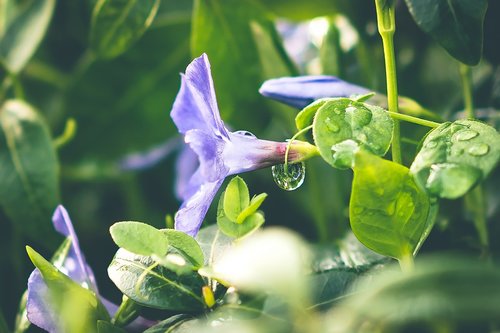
121, 102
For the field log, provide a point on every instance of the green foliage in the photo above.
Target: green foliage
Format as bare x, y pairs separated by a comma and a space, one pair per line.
342, 125
455, 157
236, 198
69, 298
149, 284
106, 327
175, 324
455, 24
187, 246
388, 211
24, 32
117, 24
139, 238
29, 170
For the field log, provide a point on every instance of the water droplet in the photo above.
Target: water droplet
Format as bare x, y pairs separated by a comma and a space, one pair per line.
245, 133
450, 180
479, 149
337, 110
292, 179
358, 210
360, 116
343, 154
391, 208
465, 135
431, 144
331, 125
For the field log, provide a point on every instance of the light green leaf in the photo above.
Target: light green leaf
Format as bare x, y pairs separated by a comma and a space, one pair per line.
186, 244
342, 126
117, 24
29, 171
455, 24
236, 198
456, 156
213, 243
254, 205
238, 230
68, 298
139, 238
388, 211
305, 117
24, 33
143, 281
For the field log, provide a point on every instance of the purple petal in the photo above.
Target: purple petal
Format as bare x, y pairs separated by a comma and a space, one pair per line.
74, 265
303, 90
185, 168
151, 157
209, 150
195, 106
192, 212
38, 309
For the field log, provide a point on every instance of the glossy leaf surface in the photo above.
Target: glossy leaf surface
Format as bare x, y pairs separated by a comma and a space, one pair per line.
186, 244
139, 238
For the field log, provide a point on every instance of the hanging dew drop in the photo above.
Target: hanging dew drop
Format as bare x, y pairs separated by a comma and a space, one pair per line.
290, 179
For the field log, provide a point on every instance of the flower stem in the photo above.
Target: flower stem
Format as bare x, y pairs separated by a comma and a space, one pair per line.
414, 120
126, 313
475, 202
386, 28
296, 135
407, 263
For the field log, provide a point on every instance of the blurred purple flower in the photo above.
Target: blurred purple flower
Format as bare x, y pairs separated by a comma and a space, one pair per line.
301, 91
38, 307
220, 152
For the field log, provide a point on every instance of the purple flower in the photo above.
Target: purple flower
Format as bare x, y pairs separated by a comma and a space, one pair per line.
301, 91
38, 307
220, 152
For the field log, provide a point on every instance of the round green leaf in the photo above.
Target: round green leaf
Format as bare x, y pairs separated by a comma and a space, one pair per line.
342, 123
456, 156
139, 238
186, 244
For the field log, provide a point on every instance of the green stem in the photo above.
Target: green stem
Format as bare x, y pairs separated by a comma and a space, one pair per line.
414, 120
406, 263
126, 313
466, 76
386, 27
296, 135
475, 201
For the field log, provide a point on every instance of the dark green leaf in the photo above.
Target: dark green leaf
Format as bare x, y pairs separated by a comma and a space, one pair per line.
440, 289
139, 238
29, 184
236, 198
106, 327
455, 24
3, 323
186, 244
238, 230
117, 24
68, 298
341, 125
148, 284
455, 157
388, 211
214, 243
24, 33
176, 324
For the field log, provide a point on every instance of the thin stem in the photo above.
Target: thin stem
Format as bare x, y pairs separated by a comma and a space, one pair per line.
296, 135
466, 76
126, 313
406, 263
386, 27
414, 120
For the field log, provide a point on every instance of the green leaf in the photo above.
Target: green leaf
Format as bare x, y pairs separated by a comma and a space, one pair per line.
181, 323
455, 24
187, 245
236, 198
342, 125
238, 230
3, 323
117, 24
441, 289
148, 284
106, 327
139, 238
254, 205
213, 243
222, 29
455, 157
68, 298
305, 117
29, 171
388, 211
24, 33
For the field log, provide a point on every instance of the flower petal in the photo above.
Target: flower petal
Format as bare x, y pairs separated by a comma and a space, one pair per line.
303, 90
195, 106
38, 309
209, 150
192, 212
186, 184
151, 157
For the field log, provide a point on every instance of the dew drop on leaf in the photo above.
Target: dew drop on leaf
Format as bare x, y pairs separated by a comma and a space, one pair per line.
291, 179
465, 135
331, 125
479, 149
